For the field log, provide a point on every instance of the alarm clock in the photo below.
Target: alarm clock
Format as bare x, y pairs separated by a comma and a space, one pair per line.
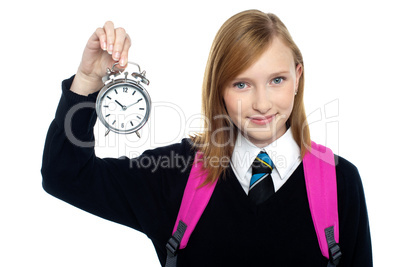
123, 105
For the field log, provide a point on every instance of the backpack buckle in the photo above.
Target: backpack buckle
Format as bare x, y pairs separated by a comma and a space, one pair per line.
333, 247
173, 243
172, 246
335, 254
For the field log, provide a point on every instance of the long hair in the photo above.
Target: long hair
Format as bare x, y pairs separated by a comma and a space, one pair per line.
238, 44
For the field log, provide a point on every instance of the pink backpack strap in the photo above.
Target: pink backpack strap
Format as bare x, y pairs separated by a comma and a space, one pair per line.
320, 176
193, 204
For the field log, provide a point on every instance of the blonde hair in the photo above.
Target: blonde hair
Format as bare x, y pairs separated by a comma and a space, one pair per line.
238, 44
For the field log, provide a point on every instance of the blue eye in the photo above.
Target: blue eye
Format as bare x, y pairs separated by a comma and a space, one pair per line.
277, 80
240, 85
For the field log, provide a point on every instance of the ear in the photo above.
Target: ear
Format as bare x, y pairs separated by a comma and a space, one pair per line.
299, 71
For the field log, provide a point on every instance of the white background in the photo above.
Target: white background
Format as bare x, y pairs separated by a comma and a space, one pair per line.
352, 53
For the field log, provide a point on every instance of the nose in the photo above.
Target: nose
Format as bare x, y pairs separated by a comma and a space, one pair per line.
261, 100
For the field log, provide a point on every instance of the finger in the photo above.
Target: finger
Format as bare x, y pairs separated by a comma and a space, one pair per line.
124, 54
110, 35
120, 37
101, 35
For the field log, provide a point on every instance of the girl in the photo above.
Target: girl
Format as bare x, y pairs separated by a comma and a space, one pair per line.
252, 100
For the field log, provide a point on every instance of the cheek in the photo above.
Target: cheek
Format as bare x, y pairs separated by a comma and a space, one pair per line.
234, 107
231, 106
284, 101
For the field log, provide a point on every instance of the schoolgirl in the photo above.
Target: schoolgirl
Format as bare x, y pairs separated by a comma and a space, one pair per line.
252, 100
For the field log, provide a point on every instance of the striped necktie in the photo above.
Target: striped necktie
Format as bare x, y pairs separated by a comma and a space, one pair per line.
261, 184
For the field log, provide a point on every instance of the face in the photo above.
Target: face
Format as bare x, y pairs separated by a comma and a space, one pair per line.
260, 99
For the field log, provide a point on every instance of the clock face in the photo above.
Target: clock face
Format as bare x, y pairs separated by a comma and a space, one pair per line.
124, 108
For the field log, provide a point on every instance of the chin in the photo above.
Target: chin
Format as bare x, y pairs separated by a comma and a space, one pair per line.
263, 138
260, 139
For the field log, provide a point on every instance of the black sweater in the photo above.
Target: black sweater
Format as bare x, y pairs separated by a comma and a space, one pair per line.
145, 193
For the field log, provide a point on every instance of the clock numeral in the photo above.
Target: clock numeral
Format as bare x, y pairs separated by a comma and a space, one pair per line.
122, 125
125, 89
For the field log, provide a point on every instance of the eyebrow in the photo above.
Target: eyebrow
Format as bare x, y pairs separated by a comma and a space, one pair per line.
275, 74
279, 73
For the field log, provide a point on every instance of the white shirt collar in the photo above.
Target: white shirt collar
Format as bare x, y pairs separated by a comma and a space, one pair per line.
284, 152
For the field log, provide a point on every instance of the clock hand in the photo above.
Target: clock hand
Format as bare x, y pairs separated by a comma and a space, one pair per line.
122, 106
134, 103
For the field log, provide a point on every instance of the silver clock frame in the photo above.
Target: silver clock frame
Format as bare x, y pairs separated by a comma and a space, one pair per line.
118, 83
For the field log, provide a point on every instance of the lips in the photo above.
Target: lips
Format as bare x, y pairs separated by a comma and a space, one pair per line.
262, 120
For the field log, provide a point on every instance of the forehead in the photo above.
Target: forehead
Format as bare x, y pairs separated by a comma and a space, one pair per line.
276, 57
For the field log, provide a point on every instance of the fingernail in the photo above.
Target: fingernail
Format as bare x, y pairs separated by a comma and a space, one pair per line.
110, 51
104, 46
123, 62
116, 56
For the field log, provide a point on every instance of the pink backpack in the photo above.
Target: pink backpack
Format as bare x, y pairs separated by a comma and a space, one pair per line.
320, 177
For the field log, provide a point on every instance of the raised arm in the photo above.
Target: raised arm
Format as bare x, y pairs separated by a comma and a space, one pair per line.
70, 169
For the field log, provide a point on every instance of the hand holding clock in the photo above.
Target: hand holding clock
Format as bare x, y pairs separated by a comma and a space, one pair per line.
106, 46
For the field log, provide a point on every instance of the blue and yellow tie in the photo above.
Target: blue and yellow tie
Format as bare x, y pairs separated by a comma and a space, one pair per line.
261, 184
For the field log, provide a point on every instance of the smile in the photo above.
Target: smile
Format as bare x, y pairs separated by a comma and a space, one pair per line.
262, 120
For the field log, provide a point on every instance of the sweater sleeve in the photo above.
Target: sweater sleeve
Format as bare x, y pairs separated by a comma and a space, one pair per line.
139, 193
354, 239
